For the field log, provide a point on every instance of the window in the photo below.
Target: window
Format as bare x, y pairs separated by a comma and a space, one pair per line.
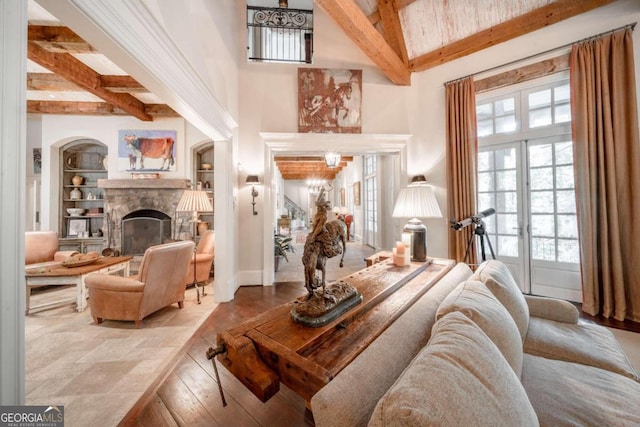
279, 35
543, 107
370, 199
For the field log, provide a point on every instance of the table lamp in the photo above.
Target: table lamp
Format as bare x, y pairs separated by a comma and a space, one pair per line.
195, 201
417, 201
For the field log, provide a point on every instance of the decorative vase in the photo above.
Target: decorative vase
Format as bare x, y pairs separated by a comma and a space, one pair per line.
77, 180
75, 194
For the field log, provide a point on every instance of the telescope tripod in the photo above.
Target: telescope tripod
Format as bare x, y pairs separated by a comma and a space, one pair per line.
481, 232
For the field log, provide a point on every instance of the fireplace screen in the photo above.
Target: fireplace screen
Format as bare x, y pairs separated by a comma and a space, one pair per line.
142, 229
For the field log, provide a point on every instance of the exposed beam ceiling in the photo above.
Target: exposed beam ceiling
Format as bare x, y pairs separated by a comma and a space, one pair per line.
305, 167
66, 56
516, 27
391, 34
358, 28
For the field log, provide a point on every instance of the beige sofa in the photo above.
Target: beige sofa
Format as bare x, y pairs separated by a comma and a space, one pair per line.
493, 357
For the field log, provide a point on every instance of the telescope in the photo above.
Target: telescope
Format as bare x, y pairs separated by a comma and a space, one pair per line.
473, 219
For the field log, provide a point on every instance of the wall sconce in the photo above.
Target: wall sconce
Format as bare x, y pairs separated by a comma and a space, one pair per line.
253, 180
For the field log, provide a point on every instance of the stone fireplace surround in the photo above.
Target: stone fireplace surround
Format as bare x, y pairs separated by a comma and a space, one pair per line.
125, 196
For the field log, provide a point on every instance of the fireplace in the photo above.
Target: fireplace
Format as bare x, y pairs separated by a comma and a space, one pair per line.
142, 212
144, 228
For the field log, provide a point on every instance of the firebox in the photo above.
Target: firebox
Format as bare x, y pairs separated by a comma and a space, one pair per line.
144, 228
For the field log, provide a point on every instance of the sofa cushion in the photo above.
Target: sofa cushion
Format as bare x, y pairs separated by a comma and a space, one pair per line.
499, 280
475, 301
572, 394
459, 378
584, 343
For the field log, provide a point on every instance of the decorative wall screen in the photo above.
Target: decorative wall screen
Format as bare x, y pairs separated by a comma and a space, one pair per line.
279, 35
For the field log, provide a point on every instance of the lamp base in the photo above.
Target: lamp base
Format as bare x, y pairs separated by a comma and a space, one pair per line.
418, 239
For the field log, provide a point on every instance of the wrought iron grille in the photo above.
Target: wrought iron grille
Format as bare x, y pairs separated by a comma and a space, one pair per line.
279, 35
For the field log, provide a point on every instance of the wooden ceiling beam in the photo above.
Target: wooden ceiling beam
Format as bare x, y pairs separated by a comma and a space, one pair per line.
92, 109
68, 67
53, 82
400, 4
308, 158
58, 39
357, 27
301, 176
393, 28
516, 27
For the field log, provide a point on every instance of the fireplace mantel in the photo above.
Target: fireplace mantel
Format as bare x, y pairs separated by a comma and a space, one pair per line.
156, 183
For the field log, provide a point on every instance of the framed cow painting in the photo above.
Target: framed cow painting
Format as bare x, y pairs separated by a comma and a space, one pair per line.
147, 150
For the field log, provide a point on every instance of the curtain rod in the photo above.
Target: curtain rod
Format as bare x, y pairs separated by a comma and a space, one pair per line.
632, 26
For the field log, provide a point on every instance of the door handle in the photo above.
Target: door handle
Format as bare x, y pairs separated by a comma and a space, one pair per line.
519, 231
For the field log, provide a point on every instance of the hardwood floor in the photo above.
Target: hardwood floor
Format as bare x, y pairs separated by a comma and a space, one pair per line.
189, 395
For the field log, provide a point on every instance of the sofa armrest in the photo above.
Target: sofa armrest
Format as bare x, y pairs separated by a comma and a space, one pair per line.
552, 309
60, 256
108, 282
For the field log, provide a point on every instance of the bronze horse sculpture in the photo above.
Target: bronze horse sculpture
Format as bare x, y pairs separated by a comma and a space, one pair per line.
322, 242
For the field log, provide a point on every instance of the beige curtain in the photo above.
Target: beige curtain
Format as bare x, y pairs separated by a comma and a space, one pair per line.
462, 148
607, 172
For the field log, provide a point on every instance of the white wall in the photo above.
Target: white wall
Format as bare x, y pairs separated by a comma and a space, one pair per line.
268, 103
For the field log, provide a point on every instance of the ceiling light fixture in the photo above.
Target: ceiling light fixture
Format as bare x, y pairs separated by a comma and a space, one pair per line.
332, 159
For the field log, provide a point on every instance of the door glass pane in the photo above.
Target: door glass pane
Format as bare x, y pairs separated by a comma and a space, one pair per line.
485, 181
542, 202
568, 251
540, 155
506, 180
541, 178
507, 246
564, 177
485, 161
506, 202
506, 159
543, 225
561, 93
543, 249
485, 127
505, 106
484, 111
567, 226
566, 201
507, 223
564, 153
486, 201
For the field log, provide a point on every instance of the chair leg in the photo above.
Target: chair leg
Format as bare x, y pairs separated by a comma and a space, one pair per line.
180, 304
97, 320
139, 323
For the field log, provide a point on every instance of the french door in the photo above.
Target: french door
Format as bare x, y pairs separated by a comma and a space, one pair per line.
534, 230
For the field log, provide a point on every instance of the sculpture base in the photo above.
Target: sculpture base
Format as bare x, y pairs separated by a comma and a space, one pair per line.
319, 310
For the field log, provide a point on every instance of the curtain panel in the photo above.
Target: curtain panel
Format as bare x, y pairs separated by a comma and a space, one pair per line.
607, 173
461, 161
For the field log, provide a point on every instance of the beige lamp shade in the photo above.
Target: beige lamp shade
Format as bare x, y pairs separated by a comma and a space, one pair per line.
194, 201
417, 201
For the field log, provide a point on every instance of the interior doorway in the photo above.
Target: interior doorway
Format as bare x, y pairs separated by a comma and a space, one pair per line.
317, 144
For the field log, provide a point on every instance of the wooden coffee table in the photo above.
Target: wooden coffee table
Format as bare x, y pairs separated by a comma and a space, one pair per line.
272, 348
54, 274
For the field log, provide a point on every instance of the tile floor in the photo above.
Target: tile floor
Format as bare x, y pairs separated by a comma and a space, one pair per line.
98, 372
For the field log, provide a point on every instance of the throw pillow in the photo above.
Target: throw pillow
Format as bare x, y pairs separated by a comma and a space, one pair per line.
459, 378
475, 301
497, 277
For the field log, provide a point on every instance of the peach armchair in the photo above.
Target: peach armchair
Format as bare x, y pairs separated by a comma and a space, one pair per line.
42, 246
204, 256
159, 283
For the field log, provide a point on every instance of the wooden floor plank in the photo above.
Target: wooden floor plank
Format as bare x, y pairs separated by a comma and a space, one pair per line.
184, 407
154, 414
